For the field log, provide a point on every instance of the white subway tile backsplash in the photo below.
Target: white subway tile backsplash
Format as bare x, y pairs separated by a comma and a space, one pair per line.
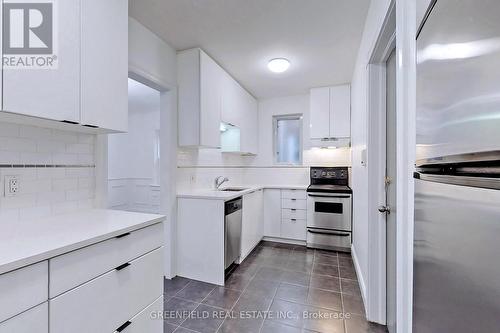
65, 184
45, 190
33, 132
9, 157
7, 129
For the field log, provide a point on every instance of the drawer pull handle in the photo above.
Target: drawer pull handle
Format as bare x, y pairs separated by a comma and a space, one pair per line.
293, 220
124, 235
124, 326
125, 265
294, 210
293, 199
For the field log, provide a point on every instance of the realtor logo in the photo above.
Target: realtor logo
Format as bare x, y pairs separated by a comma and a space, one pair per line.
29, 34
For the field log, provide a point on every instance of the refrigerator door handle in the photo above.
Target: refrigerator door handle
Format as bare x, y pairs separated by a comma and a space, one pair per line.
481, 182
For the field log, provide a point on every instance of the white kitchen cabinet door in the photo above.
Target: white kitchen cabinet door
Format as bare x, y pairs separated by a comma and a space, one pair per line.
34, 320
232, 106
104, 64
292, 228
50, 93
272, 213
250, 125
211, 81
320, 113
252, 223
340, 111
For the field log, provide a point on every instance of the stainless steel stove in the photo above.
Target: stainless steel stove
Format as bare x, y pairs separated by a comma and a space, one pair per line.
329, 209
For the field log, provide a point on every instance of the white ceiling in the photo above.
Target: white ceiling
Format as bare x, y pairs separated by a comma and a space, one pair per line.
142, 98
319, 37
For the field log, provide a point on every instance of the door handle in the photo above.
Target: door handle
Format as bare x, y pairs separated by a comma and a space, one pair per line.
384, 209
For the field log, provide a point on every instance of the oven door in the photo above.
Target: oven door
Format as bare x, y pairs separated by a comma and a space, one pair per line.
329, 211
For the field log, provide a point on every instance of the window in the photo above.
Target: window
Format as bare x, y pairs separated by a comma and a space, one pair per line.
288, 139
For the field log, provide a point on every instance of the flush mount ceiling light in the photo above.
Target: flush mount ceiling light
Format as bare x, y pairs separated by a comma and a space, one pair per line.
278, 65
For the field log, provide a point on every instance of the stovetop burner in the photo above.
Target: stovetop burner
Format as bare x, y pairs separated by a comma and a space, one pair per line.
329, 180
329, 188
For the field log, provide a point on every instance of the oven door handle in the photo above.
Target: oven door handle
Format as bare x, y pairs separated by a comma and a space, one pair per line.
333, 233
329, 196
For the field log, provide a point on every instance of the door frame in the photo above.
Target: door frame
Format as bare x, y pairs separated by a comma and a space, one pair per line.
399, 31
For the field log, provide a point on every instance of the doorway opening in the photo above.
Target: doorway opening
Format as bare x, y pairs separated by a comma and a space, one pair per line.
134, 157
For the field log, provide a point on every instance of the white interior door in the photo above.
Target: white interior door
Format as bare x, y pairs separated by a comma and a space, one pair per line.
391, 146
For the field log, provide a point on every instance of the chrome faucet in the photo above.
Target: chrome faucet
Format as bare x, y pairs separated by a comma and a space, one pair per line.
219, 182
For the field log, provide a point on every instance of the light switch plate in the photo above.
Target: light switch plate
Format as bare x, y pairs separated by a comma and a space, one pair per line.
11, 186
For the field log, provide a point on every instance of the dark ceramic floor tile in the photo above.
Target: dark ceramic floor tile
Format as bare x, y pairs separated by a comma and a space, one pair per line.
275, 327
287, 313
299, 266
358, 324
241, 325
326, 253
237, 282
346, 262
292, 293
173, 286
196, 291
177, 310
262, 288
269, 273
345, 255
298, 278
274, 261
353, 305
324, 321
326, 260
326, 270
222, 298
251, 302
248, 269
204, 319
168, 328
183, 330
285, 246
325, 282
302, 256
348, 273
350, 287
325, 299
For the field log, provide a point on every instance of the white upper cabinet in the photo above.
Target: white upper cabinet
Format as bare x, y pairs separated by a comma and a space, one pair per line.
320, 113
330, 116
104, 64
208, 95
340, 111
200, 82
52, 93
88, 83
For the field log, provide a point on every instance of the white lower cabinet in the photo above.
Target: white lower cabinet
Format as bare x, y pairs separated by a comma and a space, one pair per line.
252, 229
285, 214
23, 289
148, 320
272, 212
109, 301
293, 228
33, 320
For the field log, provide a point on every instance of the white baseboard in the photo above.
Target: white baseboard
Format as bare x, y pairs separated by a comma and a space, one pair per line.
361, 279
284, 240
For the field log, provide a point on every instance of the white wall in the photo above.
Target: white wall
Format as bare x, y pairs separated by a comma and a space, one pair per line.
359, 116
45, 191
199, 167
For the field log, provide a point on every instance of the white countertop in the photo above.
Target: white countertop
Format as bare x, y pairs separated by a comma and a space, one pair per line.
28, 242
226, 196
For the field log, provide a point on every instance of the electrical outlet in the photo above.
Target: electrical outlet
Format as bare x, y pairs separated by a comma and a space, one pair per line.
11, 186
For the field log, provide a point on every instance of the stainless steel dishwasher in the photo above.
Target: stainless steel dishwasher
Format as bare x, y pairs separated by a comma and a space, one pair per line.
232, 230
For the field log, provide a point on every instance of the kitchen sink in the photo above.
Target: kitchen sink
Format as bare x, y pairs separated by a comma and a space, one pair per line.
233, 189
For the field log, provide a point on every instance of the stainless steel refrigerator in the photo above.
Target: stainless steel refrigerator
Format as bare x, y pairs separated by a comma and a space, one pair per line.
457, 179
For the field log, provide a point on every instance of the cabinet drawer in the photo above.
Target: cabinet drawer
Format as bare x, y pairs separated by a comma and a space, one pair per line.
105, 303
294, 203
33, 320
291, 213
23, 289
148, 320
294, 194
293, 229
75, 268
